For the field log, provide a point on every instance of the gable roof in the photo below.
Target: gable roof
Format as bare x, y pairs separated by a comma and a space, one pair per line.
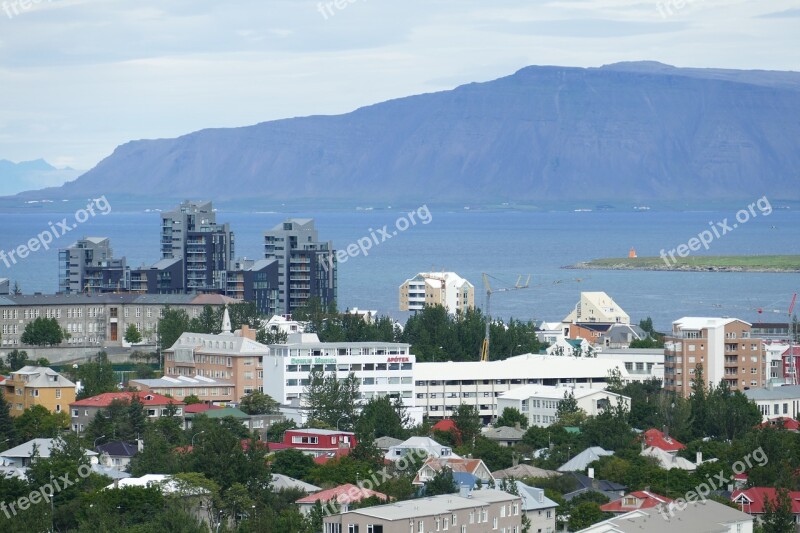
281, 482
654, 437
119, 448
581, 461
105, 399
42, 377
347, 493
522, 470
754, 499
43, 449
789, 424
533, 499
504, 433
386, 442
644, 500
667, 461
426, 444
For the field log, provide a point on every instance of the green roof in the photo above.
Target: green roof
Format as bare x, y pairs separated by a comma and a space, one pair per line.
572, 429
221, 413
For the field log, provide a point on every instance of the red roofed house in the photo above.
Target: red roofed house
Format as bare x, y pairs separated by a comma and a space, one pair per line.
753, 501
447, 425
338, 499
195, 408
633, 501
789, 424
656, 438
433, 465
317, 442
155, 405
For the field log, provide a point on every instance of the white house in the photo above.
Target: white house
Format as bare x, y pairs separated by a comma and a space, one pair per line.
430, 447
539, 403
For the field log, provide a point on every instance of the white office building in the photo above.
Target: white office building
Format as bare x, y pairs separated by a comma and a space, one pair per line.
442, 387
383, 368
539, 403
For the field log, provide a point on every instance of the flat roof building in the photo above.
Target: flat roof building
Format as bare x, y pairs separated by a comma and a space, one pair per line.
447, 289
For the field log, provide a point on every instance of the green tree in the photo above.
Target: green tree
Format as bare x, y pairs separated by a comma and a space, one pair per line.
208, 321
293, 463
173, 324
468, 421
567, 411
698, 403
442, 483
97, 376
778, 517
42, 332
265, 336
332, 401
37, 422
16, 359
381, 417
511, 417
276, 430
584, 515
191, 399
8, 433
258, 403
132, 335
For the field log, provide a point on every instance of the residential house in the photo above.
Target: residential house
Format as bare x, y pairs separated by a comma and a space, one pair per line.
258, 423
776, 402
667, 460
208, 390
281, 482
589, 483
478, 511
641, 499
386, 442
155, 405
580, 462
25, 454
338, 499
540, 510
659, 439
316, 442
447, 289
505, 435
522, 471
434, 465
754, 501
117, 454
420, 445
701, 517
37, 385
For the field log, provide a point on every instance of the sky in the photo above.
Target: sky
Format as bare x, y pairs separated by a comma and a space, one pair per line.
80, 77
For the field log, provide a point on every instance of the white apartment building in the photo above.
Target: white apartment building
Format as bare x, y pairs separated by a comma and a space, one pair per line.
641, 364
383, 368
776, 402
447, 289
597, 307
442, 387
539, 403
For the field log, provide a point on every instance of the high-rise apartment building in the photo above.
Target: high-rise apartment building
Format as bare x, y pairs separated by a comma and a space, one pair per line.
88, 266
447, 289
723, 347
306, 265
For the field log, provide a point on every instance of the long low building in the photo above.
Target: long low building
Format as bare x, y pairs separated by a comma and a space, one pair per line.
539, 403
441, 387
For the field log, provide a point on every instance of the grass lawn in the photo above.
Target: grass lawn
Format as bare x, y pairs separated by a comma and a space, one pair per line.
745, 262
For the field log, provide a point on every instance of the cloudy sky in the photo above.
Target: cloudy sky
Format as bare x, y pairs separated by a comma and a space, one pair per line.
79, 77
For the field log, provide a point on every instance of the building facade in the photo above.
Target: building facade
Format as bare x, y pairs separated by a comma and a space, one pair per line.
36, 385
382, 368
88, 266
447, 289
208, 390
441, 387
306, 265
539, 403
723, 347
95, 320
82, 412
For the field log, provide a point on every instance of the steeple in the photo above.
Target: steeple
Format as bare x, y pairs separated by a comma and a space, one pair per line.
226, 322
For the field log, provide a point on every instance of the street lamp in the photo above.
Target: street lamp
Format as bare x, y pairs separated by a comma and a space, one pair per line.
97, 439
196, 434
337, 422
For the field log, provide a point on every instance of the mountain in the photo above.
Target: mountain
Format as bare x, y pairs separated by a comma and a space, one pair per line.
637, 132
25, 175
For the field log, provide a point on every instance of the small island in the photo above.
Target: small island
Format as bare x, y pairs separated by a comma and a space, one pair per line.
708, 263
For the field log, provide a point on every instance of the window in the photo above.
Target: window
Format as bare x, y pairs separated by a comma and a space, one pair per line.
58, 393
352, 528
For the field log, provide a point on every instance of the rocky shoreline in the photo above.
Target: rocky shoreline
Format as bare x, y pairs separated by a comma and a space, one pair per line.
588, 265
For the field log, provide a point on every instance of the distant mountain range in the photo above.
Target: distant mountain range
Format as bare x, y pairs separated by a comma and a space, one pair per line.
26, 175
628, 132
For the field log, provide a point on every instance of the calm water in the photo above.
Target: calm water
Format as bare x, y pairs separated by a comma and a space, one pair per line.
504, 244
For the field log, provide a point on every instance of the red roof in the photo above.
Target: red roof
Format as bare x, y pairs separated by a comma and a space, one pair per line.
752, 500
342, 494
105, 399
641, 499
327, 456
789, 424
200, 408
445, 425
795, 350
654, 437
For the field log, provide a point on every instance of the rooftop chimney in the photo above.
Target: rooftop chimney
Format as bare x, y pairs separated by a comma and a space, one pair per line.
248, 333
699, 458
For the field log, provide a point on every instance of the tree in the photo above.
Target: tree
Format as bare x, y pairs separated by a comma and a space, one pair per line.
468, 421
265, 336
258, 403
43, 332
584, 515
380, 417
171, 326
698, 403
331, 401
778, 517
97, 376
8, 434
132, 335
191, 399
293, 463
16, 359
511, 417
208, 321
37, 422
567, 411
276, 430
442, 483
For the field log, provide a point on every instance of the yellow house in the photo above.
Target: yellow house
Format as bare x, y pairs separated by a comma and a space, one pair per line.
38, 385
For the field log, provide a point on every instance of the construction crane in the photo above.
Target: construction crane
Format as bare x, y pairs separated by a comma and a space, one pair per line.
517, 286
